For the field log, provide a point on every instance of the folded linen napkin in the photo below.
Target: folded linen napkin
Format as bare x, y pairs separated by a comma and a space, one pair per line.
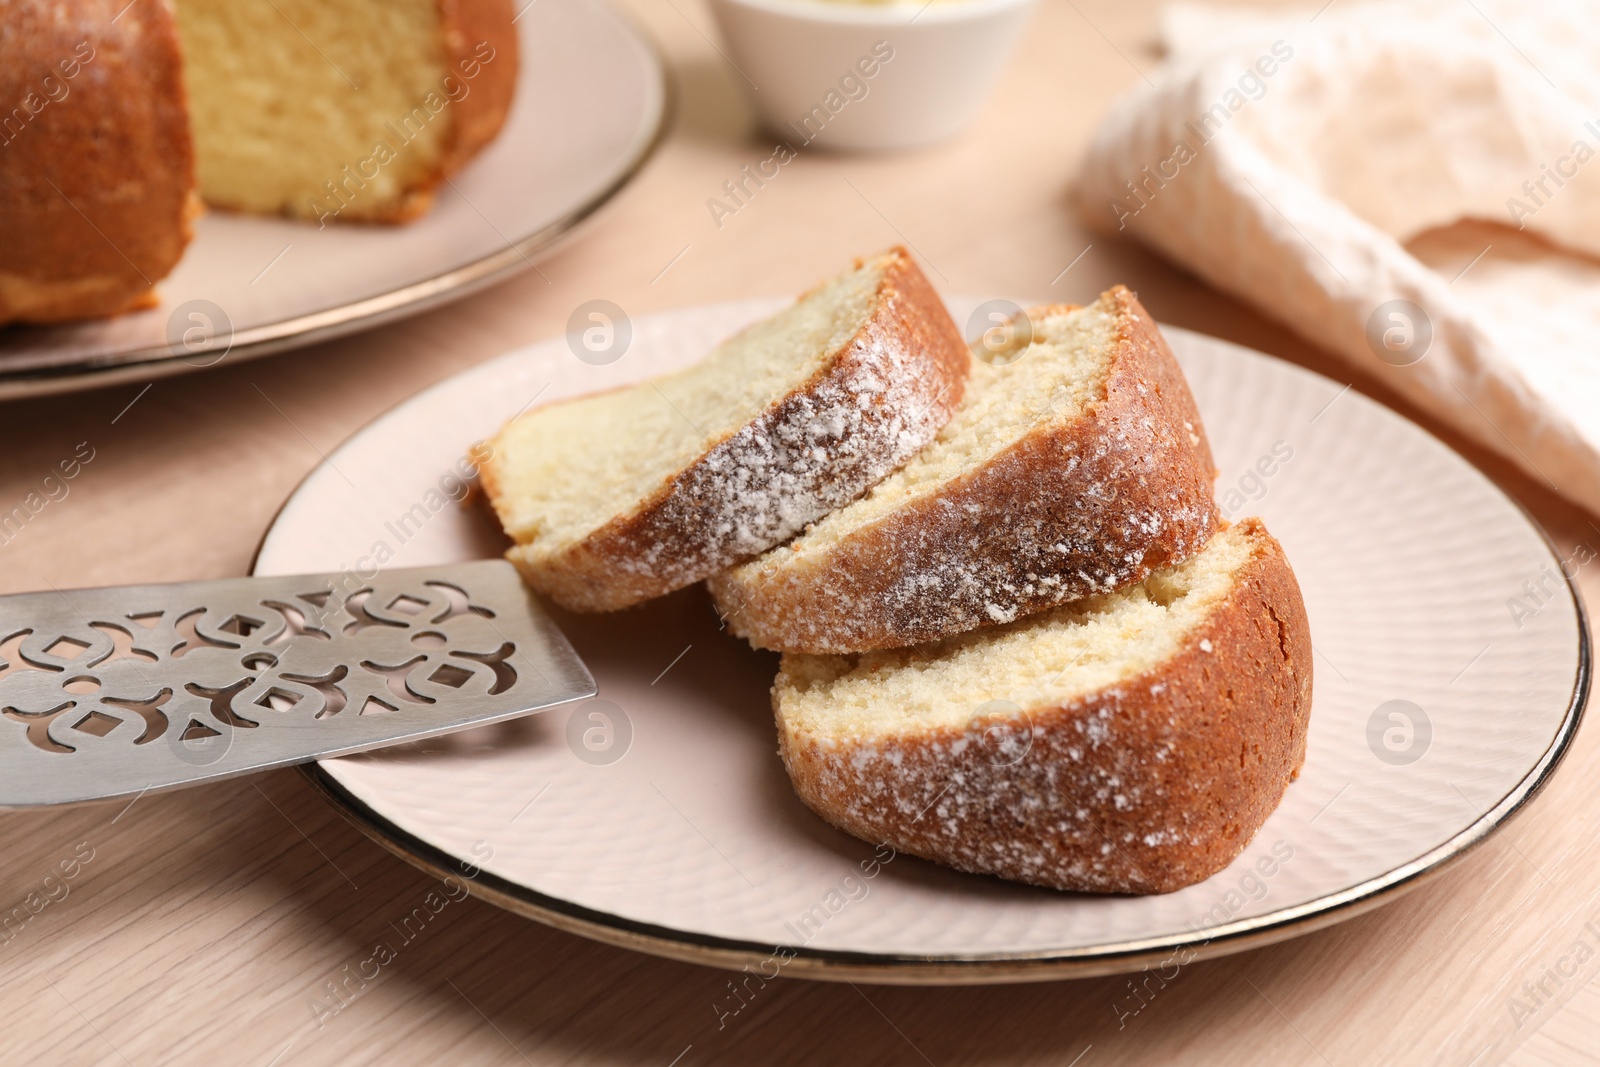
1413, 185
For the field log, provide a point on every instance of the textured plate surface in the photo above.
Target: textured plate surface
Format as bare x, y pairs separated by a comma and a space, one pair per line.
1450, 652
590, 105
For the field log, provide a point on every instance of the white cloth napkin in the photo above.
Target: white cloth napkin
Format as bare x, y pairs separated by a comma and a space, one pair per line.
1340, 169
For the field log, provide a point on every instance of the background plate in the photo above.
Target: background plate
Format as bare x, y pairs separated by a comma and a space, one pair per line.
590, 106
667, 822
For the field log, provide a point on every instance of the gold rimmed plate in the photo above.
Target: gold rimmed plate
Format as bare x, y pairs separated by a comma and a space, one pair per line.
658, 815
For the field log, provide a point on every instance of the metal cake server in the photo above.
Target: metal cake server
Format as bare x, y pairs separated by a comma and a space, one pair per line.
118, 691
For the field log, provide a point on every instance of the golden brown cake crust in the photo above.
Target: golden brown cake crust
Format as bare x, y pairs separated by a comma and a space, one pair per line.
908, 358
1146, 787
1071, 510
481, 51
470, 27
96, 166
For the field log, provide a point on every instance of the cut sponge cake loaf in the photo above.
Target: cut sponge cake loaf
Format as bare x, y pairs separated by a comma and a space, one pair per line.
96, 163
347, 109
119, 117
1132, 743
1075, 465
621, 496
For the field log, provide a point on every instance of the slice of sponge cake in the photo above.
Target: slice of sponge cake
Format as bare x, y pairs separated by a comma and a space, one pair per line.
1075, 465
621, 496
1132, 743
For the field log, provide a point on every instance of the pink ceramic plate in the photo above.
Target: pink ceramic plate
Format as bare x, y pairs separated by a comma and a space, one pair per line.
659, 817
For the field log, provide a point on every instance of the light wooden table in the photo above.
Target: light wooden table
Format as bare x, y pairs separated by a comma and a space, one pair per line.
205, 922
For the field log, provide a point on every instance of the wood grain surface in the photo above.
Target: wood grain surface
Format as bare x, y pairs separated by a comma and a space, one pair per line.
213, 925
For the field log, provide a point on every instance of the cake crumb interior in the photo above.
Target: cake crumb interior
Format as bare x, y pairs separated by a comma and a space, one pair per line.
1040, 661
567, 469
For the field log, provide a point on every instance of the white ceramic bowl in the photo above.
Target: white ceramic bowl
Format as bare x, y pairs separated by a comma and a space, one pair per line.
880, 76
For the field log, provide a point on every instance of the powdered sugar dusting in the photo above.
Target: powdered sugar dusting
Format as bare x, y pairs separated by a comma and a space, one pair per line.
1083, 503
1144, 785
817, 450
1079, 811
802, 413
